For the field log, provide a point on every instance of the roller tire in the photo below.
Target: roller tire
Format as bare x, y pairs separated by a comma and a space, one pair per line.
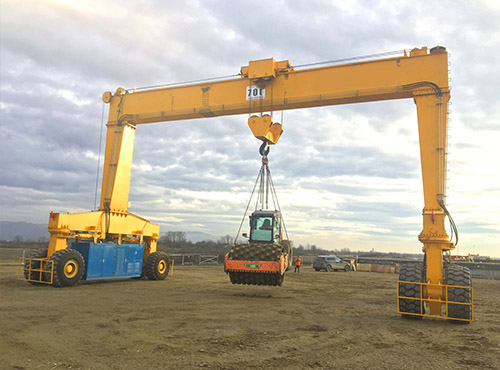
411, 273
289, 251
157, 266
68, 268
35, 275
459, 275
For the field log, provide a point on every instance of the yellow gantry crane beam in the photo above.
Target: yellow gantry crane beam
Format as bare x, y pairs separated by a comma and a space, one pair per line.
267, 86
284, 88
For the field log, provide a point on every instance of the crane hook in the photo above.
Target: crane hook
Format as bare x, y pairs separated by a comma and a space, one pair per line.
264, 149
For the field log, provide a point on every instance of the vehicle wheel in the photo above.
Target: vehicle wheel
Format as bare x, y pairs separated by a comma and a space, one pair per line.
411, 273
329, 268
289, 251
35, 275
347, 268
68, 267
157, 266
459, 275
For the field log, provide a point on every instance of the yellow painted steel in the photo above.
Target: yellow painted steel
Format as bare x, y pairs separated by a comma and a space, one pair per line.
264, 129
70, 269
171, 269
442, 302
162, 266
101, 224
42, 274
266, 86
381, 79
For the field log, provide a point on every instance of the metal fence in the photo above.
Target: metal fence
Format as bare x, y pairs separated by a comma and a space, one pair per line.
480, 270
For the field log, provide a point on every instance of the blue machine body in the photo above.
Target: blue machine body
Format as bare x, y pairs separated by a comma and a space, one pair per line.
110, 261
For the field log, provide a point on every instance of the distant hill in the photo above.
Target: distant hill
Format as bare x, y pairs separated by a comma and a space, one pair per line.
198, 236
24, 230
28, 231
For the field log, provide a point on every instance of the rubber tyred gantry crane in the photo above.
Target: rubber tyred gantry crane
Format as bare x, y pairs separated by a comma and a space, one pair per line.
266, 85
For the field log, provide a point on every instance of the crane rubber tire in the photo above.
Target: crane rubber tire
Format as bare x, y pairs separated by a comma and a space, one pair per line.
35, 275
459, 275
68, 267
157, 266
411, 273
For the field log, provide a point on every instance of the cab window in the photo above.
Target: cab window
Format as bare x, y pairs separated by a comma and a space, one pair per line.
262, 229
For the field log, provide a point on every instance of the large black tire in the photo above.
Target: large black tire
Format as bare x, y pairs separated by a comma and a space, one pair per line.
329, 268
157, 266
289, 250
347, 268
34, 275
411, 273
68, 267
459, 275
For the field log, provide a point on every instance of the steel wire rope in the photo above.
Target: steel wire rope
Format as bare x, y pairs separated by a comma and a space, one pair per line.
212, 79
260, 195
370, 56
248, 205
239, 74
275, 196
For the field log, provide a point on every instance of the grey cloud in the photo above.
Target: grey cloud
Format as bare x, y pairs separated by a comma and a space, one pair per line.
44, 136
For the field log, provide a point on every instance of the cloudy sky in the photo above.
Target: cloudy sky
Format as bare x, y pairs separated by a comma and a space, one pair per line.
346, 176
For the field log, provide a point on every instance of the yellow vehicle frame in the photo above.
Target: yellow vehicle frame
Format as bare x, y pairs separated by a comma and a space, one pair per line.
421, 75
444, 302
42, 274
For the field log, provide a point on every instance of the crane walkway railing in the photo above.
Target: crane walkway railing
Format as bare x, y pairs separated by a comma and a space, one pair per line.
35, 270
445, 314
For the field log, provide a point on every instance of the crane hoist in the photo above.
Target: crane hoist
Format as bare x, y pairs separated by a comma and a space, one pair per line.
80, 244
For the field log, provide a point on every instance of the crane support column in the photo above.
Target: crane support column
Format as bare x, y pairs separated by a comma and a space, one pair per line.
432, 115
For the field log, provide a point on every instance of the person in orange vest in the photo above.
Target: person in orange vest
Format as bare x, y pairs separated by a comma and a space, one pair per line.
298, 260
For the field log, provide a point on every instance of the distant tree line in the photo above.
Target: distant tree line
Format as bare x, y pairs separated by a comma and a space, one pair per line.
176, 242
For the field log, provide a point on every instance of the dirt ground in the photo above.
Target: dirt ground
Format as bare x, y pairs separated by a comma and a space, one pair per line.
197, 319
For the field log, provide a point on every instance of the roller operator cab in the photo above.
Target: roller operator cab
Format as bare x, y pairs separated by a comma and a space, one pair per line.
265, 227
266, 256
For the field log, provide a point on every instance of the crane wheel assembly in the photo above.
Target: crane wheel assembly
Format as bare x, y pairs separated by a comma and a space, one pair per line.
34, 267
414, 299
67, 267
410, 304
459, 290
157, 266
